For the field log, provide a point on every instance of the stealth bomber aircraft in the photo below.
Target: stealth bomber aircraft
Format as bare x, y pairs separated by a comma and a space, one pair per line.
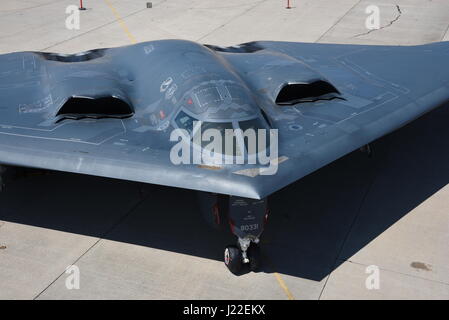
113, 113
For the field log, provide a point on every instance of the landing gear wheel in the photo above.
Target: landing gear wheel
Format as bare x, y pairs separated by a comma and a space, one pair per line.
254, 257
233, 259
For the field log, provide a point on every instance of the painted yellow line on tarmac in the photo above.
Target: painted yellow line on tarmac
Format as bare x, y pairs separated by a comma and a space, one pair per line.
284, 286
121, 22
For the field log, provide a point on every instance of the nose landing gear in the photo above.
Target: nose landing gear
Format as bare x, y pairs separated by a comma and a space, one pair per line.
247, 218
247, 252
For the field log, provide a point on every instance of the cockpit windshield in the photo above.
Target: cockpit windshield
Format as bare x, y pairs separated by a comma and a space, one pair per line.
229, 140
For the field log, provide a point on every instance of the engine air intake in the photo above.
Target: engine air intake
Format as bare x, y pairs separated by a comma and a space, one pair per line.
96, 108
293, 93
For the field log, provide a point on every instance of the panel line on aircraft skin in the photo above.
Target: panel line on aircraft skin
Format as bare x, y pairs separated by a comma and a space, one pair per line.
8, 126
68, 139
347, 120
369, 76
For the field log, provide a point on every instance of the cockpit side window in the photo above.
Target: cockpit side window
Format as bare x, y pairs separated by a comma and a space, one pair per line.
184, 121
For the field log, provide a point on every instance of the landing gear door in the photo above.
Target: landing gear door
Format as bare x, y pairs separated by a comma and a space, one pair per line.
247, 216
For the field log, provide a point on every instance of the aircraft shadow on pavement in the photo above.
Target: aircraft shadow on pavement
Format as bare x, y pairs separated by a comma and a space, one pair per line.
315, 223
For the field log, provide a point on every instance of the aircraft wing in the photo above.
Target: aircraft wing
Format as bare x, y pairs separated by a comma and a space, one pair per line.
110, 112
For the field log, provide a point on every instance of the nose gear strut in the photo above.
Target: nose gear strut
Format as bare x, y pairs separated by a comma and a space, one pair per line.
247, 219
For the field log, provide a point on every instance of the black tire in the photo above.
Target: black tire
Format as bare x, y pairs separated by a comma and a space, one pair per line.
233, 259
254, 257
